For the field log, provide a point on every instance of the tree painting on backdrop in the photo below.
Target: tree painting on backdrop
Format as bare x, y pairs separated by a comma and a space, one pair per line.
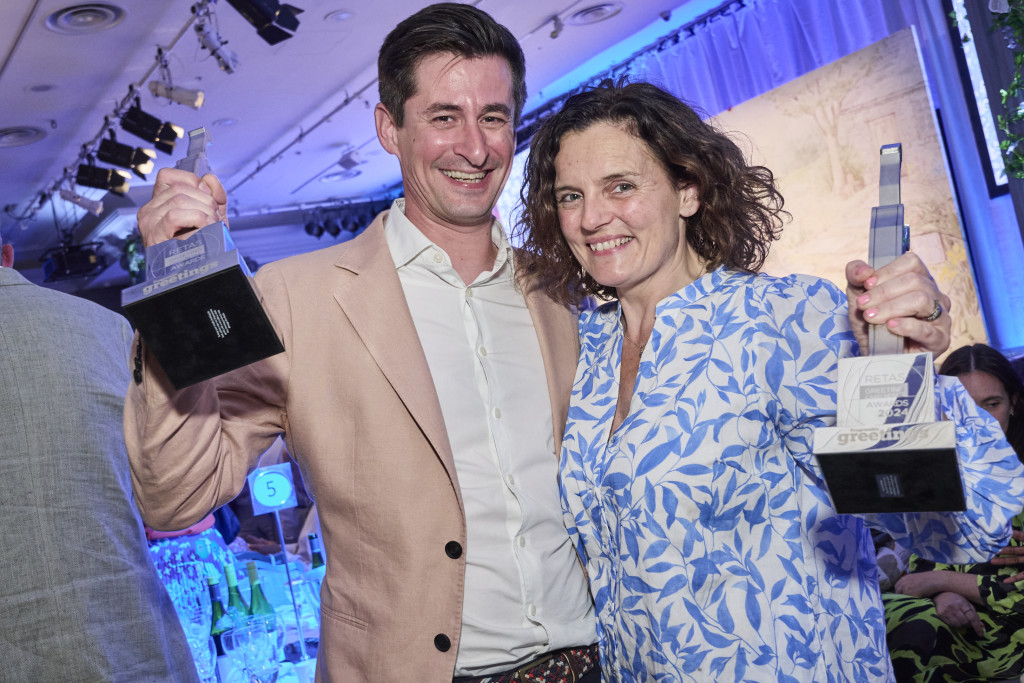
821, 134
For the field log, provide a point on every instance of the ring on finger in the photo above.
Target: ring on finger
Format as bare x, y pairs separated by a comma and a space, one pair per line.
935, 314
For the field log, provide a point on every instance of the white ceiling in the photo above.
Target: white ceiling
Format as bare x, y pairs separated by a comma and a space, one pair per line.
279, 123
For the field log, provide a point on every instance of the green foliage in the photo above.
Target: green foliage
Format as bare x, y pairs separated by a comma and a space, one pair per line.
1011, 25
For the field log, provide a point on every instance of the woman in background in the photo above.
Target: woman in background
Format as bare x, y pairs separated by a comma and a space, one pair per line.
713, 549
953, 623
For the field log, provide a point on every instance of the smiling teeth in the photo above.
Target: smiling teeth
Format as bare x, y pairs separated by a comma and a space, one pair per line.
610, 244
465, 177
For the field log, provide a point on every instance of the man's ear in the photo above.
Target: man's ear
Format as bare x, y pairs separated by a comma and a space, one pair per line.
387, 130
7, 256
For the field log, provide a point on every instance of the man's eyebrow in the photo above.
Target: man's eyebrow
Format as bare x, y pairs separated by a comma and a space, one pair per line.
498, 108
440, 107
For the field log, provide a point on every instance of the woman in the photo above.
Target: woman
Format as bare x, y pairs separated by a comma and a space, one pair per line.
713, 550
964, 622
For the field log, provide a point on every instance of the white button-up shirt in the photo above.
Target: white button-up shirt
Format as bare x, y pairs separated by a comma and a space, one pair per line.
526, 592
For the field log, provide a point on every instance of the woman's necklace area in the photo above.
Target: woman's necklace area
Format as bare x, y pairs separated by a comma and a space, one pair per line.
639, 347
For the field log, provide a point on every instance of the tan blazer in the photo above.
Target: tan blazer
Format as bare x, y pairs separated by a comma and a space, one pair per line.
355, 398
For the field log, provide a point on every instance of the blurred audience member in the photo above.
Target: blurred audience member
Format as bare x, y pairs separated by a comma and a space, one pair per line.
79, 599
965, 622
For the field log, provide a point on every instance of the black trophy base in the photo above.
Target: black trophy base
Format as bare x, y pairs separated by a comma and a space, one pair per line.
205, 327
925, 480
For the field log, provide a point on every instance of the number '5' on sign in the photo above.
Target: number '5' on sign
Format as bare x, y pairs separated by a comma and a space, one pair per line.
272, 488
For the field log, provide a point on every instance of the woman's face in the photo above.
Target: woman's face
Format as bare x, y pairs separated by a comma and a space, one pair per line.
622, 215
989, 393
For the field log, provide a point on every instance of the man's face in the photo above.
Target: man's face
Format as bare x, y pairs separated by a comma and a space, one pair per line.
456, 146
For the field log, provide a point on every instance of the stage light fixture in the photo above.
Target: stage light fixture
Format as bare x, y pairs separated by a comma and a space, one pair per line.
211, 40
138, 160
189, 98
69, 261
163, 134
274, 22
91, 205
109, 179
332, 227
314, 229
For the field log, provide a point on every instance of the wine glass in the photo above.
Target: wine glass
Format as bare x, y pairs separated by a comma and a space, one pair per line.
250, 647
204, 654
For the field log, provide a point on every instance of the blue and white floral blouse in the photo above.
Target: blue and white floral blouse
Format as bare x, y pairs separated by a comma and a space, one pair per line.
713, 550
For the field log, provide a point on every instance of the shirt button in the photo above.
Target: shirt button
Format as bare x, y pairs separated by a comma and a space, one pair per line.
453, 549
497, 412
533, 610
511, 480
522, 541
442, 643
437, 259
469, 293
483, 350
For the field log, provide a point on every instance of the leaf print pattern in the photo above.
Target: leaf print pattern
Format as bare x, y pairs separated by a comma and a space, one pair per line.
713, 549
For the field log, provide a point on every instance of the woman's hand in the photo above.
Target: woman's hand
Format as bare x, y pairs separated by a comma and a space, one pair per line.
957, 611
901, 295
1011, 554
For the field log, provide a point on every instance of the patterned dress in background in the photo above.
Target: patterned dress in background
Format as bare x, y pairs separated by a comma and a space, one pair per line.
713, 549
925, 650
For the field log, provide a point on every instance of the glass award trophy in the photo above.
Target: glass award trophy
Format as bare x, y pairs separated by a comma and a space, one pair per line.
197, 310
887, 453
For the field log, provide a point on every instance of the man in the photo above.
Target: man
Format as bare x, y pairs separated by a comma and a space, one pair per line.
423, 391
79, 598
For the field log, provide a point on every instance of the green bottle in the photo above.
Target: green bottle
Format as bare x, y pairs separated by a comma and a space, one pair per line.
258, 603
316, 552
237, 609
219, 622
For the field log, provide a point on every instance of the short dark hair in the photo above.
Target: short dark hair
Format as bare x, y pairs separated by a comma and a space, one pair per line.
740, 210
447, 27
983, 358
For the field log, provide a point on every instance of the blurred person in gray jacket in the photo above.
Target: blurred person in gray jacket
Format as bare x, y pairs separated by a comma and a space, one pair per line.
79, 598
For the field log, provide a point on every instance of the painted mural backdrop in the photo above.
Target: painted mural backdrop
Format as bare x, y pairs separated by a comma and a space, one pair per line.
821, 134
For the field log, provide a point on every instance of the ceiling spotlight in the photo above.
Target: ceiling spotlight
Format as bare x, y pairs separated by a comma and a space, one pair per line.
274, 22
91, 205
162, 134
211, 40
350, 159
314, 229
596, 13
109, 179
138, 160
189, 98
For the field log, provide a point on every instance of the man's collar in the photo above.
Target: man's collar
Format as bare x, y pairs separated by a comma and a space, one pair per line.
406, 241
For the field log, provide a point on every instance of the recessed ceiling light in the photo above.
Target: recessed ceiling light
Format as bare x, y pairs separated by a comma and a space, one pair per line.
338, 15
594, 14
40, 87
340, 175
86, 18
225, 122
17, 136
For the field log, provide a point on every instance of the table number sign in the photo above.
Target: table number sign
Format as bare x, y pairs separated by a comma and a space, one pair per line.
272, 488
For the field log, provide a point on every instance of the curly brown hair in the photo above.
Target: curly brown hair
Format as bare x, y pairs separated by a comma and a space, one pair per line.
740, 210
